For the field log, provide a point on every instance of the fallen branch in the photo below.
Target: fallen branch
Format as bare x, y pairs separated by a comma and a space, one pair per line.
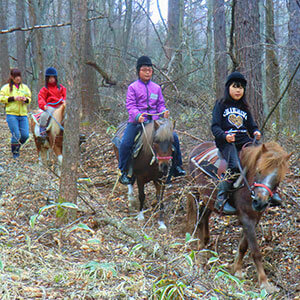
45, 26
105, 76
148, 246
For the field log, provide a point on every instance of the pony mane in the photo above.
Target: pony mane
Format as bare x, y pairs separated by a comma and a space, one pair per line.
265, 158
58, 114
164, 132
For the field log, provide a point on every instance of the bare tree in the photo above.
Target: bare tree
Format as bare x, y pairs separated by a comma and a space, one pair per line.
272, 65
293, 106
249, 52
4, 60
175, 26
68, 183
20, 37
219, 45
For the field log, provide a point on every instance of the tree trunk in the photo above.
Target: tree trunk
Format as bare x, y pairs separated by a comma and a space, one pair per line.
89, 94
249, 53
20, 38
127, 26
36, 17
4, 60
293, 105
175, 26
272, 66
220, 46
68, 182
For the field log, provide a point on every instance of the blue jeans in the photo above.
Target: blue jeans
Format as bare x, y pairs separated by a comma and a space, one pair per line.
19, 128
127, 142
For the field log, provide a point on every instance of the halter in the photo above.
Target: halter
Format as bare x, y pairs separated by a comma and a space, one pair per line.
255, 184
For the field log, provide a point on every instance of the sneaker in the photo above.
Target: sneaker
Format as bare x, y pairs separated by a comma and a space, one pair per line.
124, 179
179, 172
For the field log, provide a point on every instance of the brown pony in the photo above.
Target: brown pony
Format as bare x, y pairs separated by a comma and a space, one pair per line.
267, 165
152, 163
54, 138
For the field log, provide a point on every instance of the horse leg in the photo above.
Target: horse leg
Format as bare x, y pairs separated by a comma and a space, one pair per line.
131, 198
249, 231
238, 262
141, 190
160, 188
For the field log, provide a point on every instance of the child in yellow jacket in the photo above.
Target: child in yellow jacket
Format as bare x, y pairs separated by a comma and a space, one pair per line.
16, 96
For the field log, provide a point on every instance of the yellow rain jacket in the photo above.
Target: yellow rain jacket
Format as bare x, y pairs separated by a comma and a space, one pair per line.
17, 108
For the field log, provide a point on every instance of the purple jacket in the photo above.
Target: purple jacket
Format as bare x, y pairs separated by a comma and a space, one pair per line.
144, 98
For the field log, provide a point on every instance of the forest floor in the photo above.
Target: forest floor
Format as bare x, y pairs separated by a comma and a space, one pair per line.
107, 254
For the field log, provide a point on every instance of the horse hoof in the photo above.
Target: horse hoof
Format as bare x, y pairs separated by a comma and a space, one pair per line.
270, 288
140, 216
162, 225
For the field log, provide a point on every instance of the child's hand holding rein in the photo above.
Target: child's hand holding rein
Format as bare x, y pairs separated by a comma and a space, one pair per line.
230, 138
257, 134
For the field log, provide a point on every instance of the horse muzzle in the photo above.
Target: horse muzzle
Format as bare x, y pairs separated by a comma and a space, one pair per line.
260, 196
164, 164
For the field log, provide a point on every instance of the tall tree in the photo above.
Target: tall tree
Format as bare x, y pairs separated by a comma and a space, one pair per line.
68, 182
175, 27
272, 66
89, 95
249, 53
4, 60
127, 26
220, 45
293, 59
20, 37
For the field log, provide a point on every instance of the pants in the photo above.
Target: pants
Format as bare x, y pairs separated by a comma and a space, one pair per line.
230, 154
19, 128
45, 116
127, 142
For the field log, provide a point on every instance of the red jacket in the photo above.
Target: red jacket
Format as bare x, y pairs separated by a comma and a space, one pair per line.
51, 96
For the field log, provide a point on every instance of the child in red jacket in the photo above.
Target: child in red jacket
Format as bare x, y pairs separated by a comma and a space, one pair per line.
50, 97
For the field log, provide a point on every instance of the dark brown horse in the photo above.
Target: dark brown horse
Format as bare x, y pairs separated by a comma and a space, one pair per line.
54, 138
267, 165
152, 163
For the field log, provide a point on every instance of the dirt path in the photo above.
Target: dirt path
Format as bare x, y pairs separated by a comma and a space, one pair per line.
88, 260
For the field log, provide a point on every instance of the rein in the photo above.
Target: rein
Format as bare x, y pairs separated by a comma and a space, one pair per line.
153, 153
51, 115
250, 188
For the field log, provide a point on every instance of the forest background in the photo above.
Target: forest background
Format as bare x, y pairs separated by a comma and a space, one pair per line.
94, 46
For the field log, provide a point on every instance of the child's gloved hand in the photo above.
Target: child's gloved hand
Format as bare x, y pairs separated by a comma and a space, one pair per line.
166, 114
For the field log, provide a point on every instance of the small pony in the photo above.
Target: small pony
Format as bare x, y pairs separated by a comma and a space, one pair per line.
266, 167
152, 163
54, 138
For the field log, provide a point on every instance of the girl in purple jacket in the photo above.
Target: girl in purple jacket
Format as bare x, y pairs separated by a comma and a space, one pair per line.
144, 96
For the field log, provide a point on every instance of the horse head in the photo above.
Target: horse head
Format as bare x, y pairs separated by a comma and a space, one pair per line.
161, 143
268, 164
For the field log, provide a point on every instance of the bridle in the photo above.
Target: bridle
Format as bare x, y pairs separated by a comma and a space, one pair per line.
155, 156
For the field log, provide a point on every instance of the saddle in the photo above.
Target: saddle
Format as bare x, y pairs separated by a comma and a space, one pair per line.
36, 118
211, 163
137, 146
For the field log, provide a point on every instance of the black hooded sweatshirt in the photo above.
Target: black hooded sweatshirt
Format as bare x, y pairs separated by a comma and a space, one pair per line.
234, 116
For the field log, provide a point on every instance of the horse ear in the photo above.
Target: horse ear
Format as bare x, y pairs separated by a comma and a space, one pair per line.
174, 124
156, 125
264, 148
289, 156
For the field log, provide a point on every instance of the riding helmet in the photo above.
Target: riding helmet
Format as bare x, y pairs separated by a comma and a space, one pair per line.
236, 76
51, 72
